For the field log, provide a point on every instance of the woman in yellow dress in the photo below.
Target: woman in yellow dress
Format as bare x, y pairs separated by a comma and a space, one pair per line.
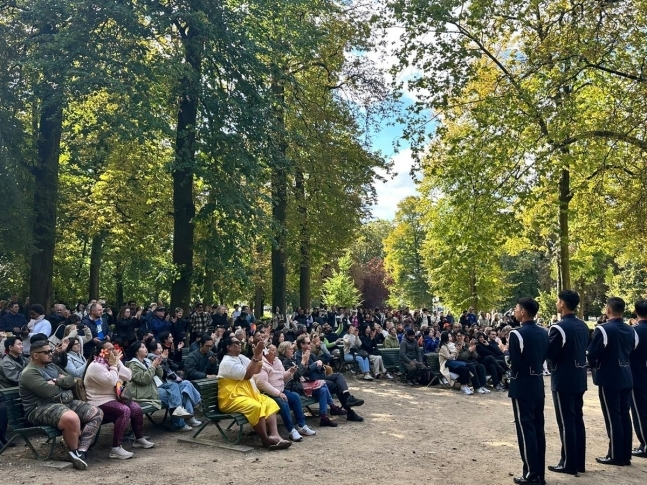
237, 392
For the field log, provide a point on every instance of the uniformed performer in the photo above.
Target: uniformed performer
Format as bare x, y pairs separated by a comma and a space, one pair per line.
608, 355
527, 347
638, 361
568, 340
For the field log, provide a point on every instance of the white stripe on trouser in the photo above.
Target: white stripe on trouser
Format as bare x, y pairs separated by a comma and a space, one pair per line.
640, 423
523, 436
561, 415
606, 406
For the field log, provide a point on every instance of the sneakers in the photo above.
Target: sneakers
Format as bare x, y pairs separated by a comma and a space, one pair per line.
143, 443
466, 390
485, 390
180, 412
367, 377
389, 376
295, 436
325, 421
77, 461
352, 401
480, 390
120, 453
305, 431
193, 422
186, 427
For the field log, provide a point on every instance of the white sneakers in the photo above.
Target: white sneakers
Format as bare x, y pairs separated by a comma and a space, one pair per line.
367, 377
143, 443
295, 436
305, 431
120, 453
180, 412
485, 390
186, 428
193, 422
466, 390
389, 376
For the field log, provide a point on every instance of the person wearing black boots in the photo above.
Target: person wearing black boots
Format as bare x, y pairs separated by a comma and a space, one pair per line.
335, 381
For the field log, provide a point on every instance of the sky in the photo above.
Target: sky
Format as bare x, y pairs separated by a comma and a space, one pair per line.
399, 184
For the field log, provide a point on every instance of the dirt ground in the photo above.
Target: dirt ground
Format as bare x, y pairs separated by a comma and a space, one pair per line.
410, 435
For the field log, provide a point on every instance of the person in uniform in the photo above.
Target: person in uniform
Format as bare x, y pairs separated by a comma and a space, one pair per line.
638, 360
568, 340
527, 347
608, 352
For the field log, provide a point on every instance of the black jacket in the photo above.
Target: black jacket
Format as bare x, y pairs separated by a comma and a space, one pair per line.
527, 347
609, 352
568, 340
638, 357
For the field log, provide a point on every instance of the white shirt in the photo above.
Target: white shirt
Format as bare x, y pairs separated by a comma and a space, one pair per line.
234, 368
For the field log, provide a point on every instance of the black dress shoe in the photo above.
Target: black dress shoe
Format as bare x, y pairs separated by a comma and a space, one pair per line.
639, 452
561, 469
607, 460
528, 481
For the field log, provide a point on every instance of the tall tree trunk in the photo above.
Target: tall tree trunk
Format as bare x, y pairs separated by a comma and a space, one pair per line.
259, 296
96, 252
304, 240
183, 169
279, 181
46, 190
208, 276
119, 285
565, 197
473, 290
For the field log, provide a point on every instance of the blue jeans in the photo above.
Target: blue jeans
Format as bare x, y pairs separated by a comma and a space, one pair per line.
190, 395
364, 366
294, 403
325, 398
171, 396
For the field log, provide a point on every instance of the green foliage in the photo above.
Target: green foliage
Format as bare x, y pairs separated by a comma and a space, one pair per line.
339, 289
404, 257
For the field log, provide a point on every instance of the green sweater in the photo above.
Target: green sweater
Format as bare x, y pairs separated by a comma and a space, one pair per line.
35, 391
142, 385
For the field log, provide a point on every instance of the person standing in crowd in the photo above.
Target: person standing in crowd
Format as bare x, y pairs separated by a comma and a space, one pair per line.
609, 356
638, 361
568, 340
528, 345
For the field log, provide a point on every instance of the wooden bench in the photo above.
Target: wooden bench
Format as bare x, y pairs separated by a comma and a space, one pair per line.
391, 359
21, 428
434, 365
209, 391
148, 410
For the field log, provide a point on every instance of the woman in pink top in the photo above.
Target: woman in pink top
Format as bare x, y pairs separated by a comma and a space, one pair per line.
271, 381
103, 371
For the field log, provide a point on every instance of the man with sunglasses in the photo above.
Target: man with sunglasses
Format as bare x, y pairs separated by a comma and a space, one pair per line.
46, 395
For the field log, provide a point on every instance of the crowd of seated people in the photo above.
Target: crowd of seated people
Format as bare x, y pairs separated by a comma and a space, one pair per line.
263, 371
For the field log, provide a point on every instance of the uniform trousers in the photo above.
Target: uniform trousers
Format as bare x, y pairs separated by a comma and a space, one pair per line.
529, 421
570, 421
639, 414
615, 405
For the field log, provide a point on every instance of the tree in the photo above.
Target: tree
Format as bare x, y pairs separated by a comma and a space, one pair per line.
404, 260
340, 290
556, 77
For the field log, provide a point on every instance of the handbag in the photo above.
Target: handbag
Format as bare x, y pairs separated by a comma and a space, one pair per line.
53, 339
79, 390
122, 392
309, 386
363, 353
